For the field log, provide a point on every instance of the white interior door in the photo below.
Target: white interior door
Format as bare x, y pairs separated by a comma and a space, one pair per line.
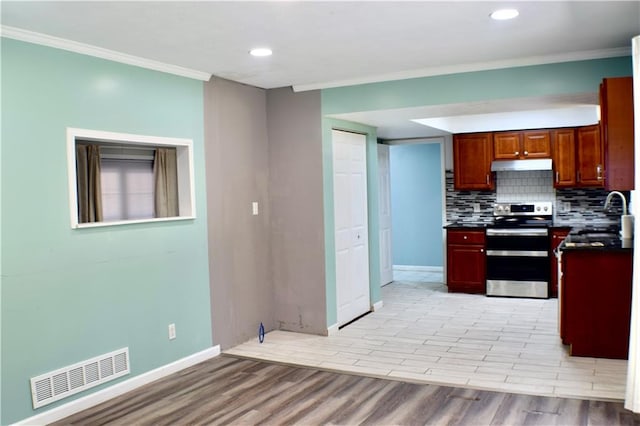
384, 207
352, 239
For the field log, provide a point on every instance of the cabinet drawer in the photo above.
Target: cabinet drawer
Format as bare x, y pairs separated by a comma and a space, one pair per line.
465, 237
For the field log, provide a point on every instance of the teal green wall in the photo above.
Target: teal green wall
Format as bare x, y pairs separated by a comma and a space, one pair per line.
329, 222
530, 81
416, 177
71, 294
538, 80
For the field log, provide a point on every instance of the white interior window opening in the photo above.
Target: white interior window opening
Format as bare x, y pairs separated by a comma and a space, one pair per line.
116, 178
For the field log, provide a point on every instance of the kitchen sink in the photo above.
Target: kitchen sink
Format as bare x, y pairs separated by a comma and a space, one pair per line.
593, 235
611, 232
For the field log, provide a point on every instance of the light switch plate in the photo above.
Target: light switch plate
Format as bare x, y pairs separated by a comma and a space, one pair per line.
254, 207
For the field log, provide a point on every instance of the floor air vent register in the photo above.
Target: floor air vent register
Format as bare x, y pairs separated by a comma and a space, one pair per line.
66, 381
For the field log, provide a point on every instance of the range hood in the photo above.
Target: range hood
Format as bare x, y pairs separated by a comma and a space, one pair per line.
521, 165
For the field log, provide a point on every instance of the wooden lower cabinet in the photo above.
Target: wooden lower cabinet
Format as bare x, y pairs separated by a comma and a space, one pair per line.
466, 261
595, 302
557, 236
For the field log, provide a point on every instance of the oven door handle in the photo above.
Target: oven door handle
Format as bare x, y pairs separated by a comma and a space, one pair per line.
517, 232
518, 253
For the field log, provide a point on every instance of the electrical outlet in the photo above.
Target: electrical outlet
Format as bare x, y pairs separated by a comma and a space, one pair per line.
172, 331
566, 207
254, 207
476, 207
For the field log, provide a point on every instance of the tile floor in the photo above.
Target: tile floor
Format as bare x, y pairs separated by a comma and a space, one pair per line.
424, 334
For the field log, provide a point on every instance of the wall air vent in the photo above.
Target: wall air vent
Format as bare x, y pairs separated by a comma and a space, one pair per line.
66, 381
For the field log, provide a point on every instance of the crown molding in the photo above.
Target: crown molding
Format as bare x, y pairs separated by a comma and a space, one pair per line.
481, 66
98, 52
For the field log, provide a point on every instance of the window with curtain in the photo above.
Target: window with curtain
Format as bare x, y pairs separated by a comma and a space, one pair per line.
117, 182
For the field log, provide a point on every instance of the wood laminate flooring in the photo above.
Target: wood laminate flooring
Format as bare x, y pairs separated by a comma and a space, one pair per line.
231, 390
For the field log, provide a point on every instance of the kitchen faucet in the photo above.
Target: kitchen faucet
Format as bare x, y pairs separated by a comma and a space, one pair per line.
626, 220
610, 196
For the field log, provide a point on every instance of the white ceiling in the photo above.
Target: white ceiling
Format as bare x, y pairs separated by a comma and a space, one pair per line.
329, 44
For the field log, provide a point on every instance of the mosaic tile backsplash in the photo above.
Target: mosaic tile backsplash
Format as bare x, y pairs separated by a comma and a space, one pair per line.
587, 205
460, 203
571, 206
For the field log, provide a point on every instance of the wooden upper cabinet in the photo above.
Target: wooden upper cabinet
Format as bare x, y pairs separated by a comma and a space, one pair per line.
536, 144
506, 145
563, 142
522, 145
472, 156
616, 110
590, 156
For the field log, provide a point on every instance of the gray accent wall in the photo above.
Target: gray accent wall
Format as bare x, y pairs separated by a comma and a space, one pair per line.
264, 146
297, 221
237, 170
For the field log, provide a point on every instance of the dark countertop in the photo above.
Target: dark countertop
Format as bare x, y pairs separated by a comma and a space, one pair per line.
467, 225
596, 238
582, 236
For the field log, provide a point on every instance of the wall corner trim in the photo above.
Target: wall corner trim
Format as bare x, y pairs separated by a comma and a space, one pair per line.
120, 388
99, 52
332, 330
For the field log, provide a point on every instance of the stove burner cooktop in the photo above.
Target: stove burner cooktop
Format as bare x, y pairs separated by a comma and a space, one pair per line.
530, 222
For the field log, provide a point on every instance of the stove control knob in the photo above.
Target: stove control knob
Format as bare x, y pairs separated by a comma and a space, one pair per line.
538, 208
546, 208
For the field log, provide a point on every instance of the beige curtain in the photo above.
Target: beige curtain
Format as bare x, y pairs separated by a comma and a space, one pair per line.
88, 183
165, 171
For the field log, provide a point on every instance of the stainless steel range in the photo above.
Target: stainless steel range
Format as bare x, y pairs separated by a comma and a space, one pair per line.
518, 244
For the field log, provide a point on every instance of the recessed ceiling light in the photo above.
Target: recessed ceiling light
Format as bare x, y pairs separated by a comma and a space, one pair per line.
261, 51
503, 14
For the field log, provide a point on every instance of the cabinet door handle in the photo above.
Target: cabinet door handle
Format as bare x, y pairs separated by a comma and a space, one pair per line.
517, 153
464, 237
487, 179
481, 250
579, 176
599, 172
557, 177
526, 153
536, 137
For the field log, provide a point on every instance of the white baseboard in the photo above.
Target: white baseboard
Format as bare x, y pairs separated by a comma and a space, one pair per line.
77, 405
332, 329
377, 306
417, 268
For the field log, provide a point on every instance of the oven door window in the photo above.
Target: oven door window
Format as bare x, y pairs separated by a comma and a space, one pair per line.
518, 242
518, 268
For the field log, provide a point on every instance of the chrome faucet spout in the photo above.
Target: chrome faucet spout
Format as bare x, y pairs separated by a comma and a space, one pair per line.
624, 201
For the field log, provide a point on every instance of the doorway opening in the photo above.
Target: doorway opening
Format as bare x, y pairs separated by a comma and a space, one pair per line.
417, 210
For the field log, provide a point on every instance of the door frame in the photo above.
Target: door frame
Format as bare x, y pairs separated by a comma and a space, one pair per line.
384, 280
446, 163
